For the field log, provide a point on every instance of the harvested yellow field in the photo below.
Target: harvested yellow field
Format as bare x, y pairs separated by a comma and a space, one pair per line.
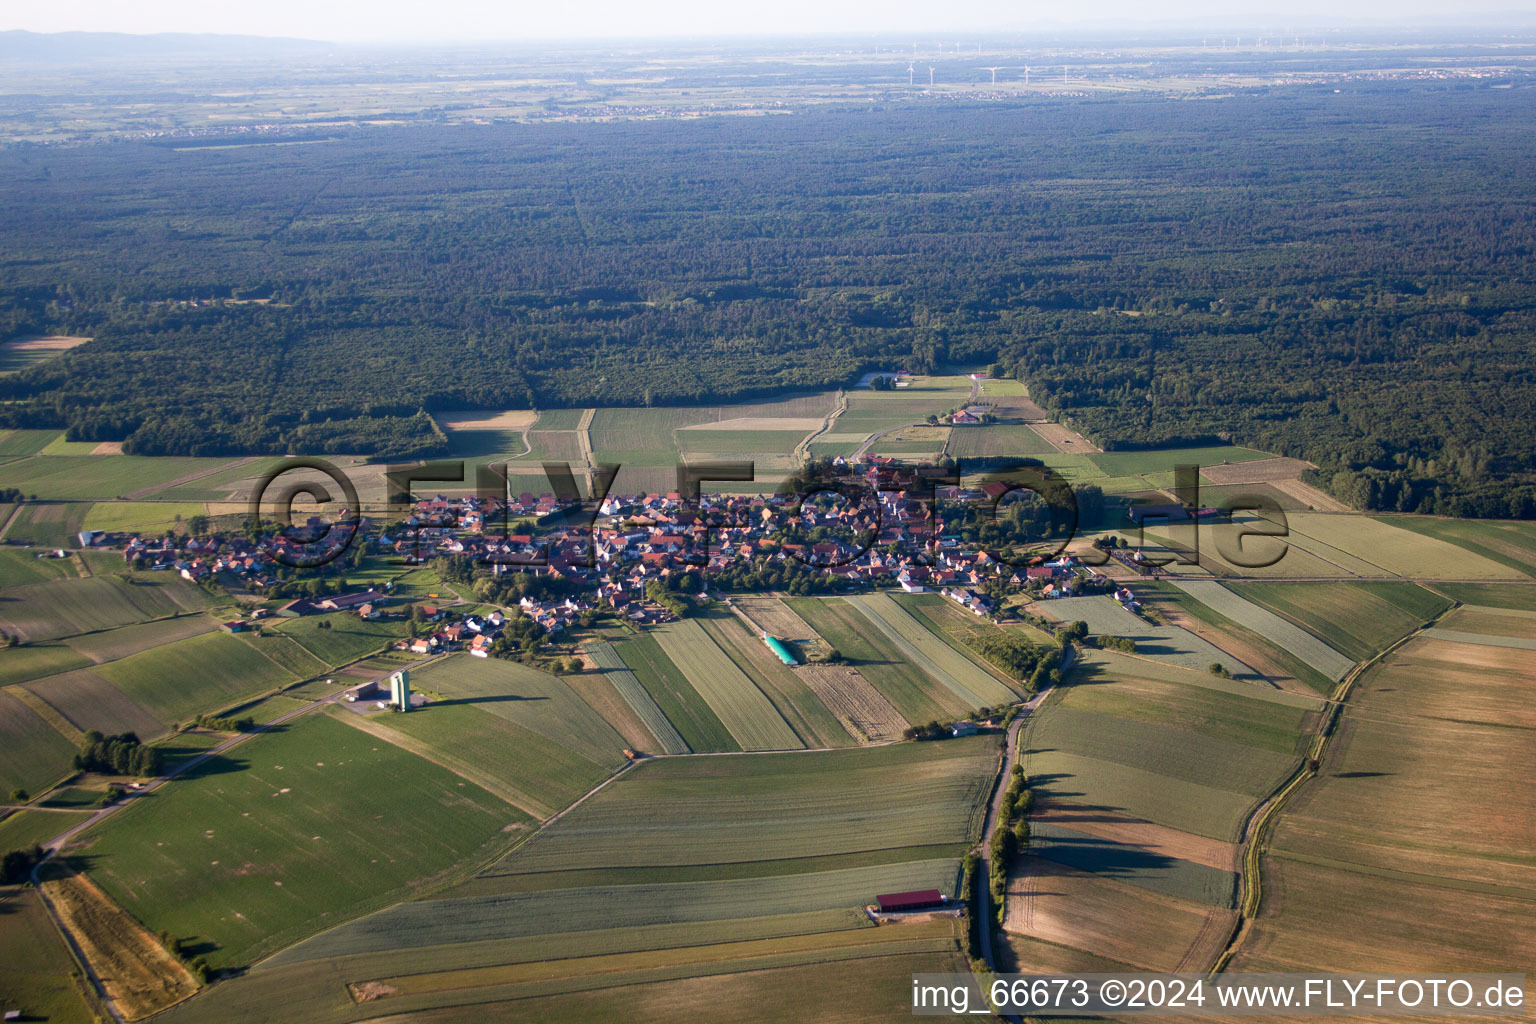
854, 702
479, 419
139, 975
1257, 471
49, 343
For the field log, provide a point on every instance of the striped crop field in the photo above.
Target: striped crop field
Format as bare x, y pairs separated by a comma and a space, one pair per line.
749, 715
1359, 619
963, 677
60, 608
624, 681
1270, 626
677, 814
911, 691
699, 726
480, 918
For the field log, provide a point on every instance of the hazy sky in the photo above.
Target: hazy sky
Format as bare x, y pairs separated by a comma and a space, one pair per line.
485, 20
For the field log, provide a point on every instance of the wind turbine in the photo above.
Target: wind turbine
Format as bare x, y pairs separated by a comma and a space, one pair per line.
1026, 74
930, 77
909, 74
994, 73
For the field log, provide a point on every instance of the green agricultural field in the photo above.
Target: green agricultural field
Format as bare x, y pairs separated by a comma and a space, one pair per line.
795, 701
178, 681
967, 680
19, 664
1511, 544
21, 830
301, 990
1358, 619
1171, 644
952, 624
20, 443
97, 477
285, 652
112, 644
293, 832
676, 812
1124, 687
1281, 632
348, 639
762, 444
741, 706
1266, 656
520, 766
483, 918
628, 687
49, 524
231, 482
908, 688
141, 516
1163, 461
1490, 595
33, 756
87, 701
19, 568
1140, 793
39, 971
1005, 440
532, 699
1173, 748
60, 608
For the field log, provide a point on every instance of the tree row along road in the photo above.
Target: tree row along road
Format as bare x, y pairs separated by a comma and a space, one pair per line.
1010, 758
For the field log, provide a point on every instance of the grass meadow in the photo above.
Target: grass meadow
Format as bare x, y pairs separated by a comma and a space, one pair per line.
300, 829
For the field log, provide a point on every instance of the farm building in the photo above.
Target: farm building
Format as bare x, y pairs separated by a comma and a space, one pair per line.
360, 692
778, 647
921, 899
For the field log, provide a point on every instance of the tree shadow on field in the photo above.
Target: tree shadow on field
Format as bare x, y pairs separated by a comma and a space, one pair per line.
218, 764
491, 699
1085, 673
1359, 775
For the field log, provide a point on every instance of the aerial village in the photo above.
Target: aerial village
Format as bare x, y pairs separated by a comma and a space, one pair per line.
621, 555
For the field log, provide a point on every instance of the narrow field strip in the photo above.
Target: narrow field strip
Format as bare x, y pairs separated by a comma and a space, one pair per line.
947, 665
1486, 640
724, 952
1270, 626
747, 713
628, 686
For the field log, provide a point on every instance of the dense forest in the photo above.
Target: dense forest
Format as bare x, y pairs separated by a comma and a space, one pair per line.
1343, 277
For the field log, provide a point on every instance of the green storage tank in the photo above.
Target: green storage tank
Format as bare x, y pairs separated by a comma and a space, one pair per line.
777, 647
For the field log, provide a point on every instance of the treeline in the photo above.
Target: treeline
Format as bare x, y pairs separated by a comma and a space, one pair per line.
1030, 663
1355, 285
225, 723
1010, 835
123, 754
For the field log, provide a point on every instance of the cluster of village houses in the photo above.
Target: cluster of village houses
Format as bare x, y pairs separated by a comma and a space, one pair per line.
632, 541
